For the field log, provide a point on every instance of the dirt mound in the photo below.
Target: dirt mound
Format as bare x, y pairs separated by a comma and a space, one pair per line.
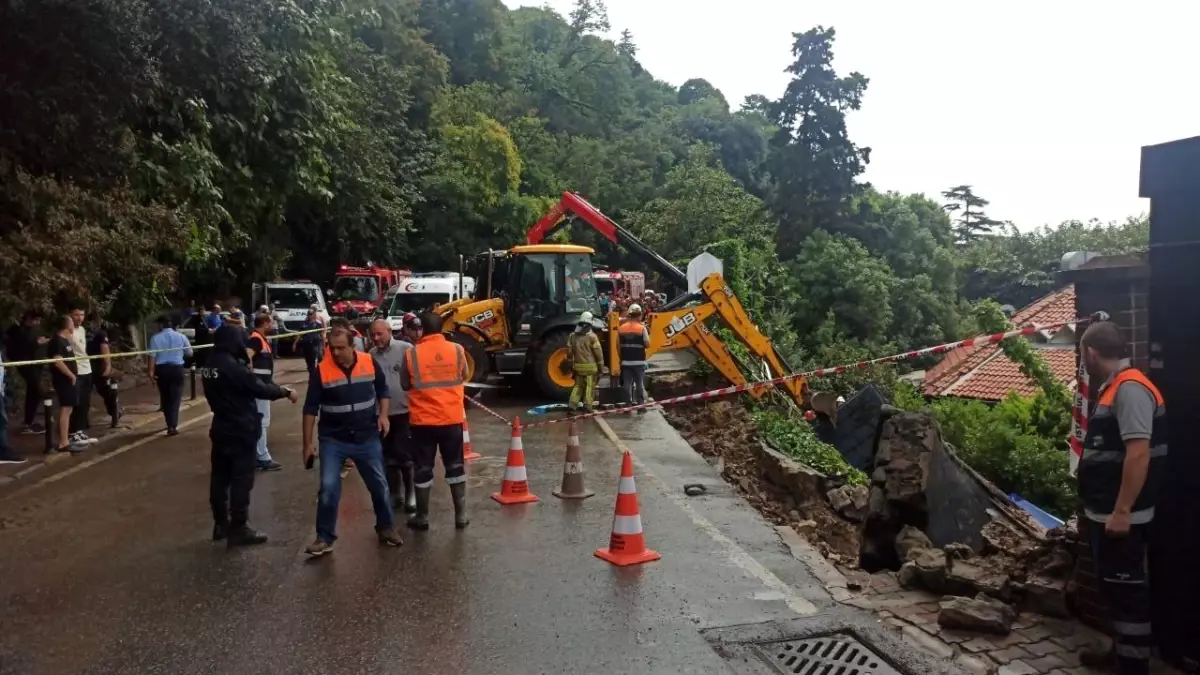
723, 431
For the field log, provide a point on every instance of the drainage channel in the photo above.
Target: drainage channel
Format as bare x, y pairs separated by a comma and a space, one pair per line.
837, 654
831, 644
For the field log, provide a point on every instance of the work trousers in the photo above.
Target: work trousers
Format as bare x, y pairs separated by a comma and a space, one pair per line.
33, 391
107, 388
232, 480
397, 445
633, 381
79, 414
170, 392
368, 459
427, 442
264, 409
585, 385
1121, 569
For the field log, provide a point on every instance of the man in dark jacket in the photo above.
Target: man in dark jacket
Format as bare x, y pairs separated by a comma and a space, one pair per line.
232, 391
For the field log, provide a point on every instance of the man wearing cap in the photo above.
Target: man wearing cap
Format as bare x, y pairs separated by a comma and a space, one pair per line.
586, 356
633, 340
165, 365
389, 353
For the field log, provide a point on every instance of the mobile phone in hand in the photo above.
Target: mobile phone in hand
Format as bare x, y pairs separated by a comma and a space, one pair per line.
308, 463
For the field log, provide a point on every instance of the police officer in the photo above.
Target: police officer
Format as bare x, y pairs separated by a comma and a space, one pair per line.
262, 363
232, 392
1124, 458
433, 375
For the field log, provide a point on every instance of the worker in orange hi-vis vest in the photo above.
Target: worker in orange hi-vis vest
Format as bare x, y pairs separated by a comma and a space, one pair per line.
433, 375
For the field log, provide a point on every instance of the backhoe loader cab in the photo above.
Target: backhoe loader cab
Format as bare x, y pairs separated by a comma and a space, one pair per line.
521, 317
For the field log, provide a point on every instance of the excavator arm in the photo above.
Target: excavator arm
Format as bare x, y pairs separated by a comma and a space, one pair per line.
683, 328
572, 205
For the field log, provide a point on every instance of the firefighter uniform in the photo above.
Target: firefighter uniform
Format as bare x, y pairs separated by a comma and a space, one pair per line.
1130, 407
233, 392
262, 364
433, 375
633, 340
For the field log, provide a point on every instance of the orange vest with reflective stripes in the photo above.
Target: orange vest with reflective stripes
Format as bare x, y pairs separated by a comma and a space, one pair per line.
263, 364
436, 370
348, 404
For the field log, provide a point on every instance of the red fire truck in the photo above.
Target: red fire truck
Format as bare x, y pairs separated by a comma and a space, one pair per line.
362, 288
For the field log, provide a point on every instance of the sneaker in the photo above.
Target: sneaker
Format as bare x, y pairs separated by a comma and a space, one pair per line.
11, 458
76, 447
389, 537
172, 432
83, 439
245, 536
319, 548
34, 429
270, 465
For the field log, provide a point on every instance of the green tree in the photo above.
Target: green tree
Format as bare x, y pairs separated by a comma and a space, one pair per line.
971, 222
813, 160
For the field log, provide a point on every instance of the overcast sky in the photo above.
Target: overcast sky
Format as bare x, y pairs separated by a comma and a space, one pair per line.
1042, 106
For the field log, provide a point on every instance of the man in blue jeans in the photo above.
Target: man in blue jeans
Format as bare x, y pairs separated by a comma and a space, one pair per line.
350, 394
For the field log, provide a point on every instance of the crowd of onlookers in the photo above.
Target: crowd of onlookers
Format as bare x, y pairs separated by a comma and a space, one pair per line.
68, 380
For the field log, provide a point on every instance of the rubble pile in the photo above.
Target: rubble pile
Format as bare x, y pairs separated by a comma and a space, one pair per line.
925, 515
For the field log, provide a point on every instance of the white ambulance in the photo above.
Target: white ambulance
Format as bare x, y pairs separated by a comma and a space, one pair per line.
423, 291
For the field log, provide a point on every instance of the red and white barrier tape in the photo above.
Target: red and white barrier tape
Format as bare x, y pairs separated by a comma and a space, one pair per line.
488, 410
835, 370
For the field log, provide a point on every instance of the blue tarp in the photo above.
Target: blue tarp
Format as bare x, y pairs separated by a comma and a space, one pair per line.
1044, 519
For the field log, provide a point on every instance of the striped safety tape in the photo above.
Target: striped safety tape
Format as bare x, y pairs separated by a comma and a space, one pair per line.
820, 372
488, 410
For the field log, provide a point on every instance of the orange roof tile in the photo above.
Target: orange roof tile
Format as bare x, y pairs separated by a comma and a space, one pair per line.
994, 379
960, 363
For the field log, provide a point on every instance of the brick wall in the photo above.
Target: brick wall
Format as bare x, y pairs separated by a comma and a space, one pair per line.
1120, 286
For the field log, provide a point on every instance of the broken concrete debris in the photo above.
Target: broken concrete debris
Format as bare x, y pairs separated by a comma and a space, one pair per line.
925, 514
981, 613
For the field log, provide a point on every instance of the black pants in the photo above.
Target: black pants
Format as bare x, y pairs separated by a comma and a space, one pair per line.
311, 359
33, 391
108, 393
397, 445
233, 464
170, 392
427, 441
83, 404
1121, 568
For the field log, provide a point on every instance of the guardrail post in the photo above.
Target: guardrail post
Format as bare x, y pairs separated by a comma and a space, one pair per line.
48, 422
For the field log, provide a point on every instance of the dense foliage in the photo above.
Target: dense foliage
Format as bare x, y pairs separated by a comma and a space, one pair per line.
155, 151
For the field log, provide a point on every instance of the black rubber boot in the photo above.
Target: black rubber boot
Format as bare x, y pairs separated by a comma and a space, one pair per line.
410, 492
420, 519
245, 536
459, 492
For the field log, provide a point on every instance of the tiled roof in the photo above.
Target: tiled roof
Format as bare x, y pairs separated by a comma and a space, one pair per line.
998, 375
993, 374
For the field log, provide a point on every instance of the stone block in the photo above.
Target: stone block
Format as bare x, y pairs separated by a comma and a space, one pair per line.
921, 639
1009, 654
980, 613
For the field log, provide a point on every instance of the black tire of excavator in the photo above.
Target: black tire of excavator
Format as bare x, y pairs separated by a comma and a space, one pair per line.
541, 366
475, 352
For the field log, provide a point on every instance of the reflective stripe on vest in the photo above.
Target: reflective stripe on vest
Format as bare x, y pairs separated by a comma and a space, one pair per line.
1102, 464
631, 337
337, 388
264, 361
436, 370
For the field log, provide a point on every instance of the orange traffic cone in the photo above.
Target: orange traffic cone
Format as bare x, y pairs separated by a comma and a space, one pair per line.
628, 544
468, 454
572, 482
514, 489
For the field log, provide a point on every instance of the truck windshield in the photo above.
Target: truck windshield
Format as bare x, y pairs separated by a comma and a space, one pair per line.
416, 302
292, 298
358, 289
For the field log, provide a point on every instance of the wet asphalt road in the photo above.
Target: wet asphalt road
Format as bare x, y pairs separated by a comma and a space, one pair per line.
109, 570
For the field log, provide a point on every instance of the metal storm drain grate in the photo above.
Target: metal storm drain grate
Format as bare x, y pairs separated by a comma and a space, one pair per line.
837, 654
